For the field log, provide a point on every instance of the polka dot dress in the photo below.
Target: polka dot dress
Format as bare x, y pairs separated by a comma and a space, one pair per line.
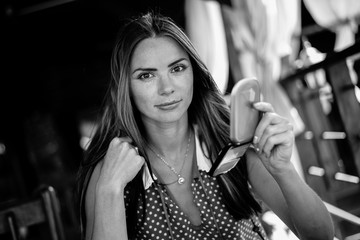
217, 223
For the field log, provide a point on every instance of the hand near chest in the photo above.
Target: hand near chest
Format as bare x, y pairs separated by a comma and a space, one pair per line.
120, 165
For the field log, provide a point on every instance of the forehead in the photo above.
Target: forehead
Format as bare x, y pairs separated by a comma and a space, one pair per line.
157, 50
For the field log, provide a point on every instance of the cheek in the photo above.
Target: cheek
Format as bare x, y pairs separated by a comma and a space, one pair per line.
140, 97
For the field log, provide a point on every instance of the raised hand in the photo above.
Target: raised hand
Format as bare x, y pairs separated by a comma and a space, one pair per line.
121, 164
273, 139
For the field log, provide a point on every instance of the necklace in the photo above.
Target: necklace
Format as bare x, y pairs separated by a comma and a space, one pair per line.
180, 179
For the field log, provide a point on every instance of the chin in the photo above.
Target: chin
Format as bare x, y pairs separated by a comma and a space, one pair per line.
172, 117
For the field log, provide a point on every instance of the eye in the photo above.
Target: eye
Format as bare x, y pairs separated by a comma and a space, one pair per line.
144, 76
178, 68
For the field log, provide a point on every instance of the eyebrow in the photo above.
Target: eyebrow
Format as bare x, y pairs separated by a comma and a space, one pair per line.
175, 62
154, 69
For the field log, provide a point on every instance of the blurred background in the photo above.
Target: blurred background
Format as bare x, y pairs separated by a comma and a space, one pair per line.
55, 63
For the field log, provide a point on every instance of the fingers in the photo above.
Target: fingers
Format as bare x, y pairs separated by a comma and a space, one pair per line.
121, 163
118, 140
263, 107
121, 148
281, 138
272, 129
267, 119
270, 123
125, 142
136, 149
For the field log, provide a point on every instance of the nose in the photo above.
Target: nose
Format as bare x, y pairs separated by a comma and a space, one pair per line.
165, 85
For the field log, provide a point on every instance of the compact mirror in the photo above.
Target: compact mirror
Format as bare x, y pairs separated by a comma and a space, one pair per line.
243, 121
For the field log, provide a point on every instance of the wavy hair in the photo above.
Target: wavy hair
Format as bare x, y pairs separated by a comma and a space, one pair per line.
207, 111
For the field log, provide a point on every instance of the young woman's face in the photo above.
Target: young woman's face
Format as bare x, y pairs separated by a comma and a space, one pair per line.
161, 80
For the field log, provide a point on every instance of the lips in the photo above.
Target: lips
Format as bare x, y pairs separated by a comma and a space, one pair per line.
168, 105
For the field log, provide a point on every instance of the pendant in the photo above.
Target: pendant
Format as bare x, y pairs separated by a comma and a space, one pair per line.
181, 180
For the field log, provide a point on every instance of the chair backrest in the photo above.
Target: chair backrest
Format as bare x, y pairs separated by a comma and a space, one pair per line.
42, 208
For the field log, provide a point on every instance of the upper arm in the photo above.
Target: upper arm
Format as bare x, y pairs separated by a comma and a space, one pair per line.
267, 189
90, 199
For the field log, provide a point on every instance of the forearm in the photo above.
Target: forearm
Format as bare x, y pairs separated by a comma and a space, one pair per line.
110, 218
306, 209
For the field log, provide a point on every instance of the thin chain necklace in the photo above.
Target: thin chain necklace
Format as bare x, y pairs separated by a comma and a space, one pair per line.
180, 179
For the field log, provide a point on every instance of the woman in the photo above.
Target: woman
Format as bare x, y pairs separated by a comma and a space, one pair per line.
144, 175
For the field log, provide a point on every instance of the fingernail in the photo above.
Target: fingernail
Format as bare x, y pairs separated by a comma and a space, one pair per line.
257, 149
256, 139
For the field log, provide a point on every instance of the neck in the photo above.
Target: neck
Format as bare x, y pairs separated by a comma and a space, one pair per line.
169, 141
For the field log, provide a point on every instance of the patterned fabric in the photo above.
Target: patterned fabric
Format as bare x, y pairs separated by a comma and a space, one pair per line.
217, 223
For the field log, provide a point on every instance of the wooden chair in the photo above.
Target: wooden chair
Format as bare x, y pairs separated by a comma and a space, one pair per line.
44, 208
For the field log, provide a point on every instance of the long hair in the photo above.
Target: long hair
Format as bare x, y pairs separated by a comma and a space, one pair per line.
207, 111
